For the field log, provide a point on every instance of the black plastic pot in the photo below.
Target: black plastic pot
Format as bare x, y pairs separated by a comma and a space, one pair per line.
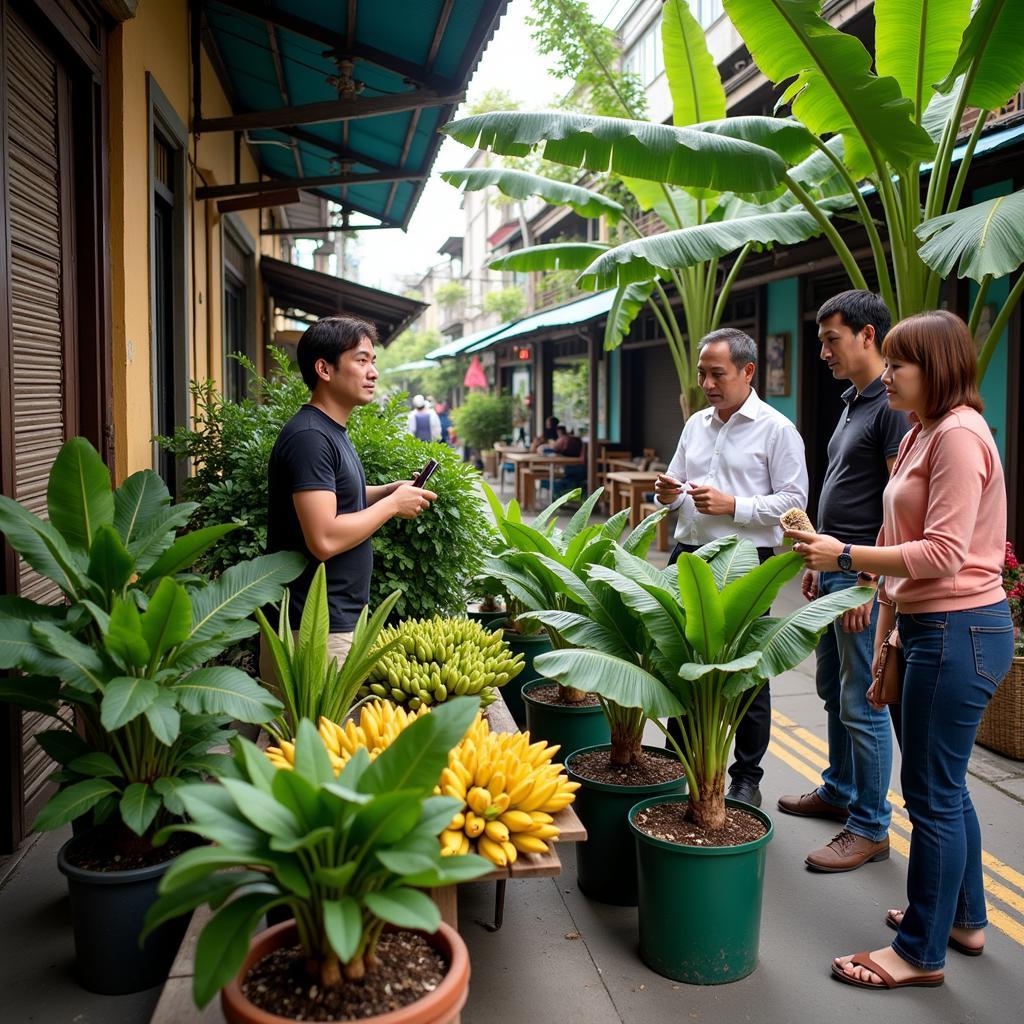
606, 862
572, 728
700, 907
530, 647
488, 620
107, 913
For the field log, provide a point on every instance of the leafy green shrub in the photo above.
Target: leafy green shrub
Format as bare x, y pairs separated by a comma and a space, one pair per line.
483, 419
430, 559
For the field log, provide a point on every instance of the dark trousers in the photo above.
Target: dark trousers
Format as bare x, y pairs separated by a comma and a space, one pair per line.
754, 730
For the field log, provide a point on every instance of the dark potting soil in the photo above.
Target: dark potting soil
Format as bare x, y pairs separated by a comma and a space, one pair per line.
108, 849
648, 770
409, 968
548, 694
668, 821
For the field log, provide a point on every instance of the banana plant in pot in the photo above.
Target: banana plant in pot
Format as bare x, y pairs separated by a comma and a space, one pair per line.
120, 669
711, 648
543, 568
350, 855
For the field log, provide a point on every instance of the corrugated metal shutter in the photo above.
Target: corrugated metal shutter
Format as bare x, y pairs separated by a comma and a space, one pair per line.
37, 304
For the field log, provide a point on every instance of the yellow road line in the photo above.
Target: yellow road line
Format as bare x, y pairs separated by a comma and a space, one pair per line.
900, 820
1004, 922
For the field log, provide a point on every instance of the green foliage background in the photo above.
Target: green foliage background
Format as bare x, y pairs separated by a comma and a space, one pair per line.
430, 559
483, 419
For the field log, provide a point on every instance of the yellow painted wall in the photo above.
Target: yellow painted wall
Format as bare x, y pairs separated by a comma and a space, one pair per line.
156, 42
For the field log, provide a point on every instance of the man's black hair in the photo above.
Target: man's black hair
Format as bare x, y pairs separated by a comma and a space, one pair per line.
327, 339
859, 308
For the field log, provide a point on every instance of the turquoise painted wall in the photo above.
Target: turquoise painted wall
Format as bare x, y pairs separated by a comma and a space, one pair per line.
994, 386
783, 317
614, 394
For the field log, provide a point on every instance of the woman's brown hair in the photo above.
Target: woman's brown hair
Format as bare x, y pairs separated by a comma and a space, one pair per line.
940, 343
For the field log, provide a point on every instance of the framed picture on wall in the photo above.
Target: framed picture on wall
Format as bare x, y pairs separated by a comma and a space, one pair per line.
776, 365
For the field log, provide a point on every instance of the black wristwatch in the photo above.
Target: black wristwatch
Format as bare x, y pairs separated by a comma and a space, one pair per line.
845, 560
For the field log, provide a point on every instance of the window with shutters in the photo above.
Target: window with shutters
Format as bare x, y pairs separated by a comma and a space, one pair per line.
239, 325
168, 311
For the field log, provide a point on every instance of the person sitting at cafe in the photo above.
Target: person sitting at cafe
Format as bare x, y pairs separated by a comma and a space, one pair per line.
550, 434
566, 444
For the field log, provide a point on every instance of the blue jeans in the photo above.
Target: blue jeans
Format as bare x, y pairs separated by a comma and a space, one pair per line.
859, 736
954, 662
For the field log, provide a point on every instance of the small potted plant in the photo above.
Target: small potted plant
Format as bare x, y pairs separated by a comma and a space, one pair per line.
481, 421
350, 856
308, 684
701, 862
127, 653
1002, 725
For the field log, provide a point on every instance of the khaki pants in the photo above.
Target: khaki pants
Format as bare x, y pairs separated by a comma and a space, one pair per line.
338, 646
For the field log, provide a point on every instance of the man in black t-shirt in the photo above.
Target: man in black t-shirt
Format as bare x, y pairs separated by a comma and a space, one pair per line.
854, 785
318, 500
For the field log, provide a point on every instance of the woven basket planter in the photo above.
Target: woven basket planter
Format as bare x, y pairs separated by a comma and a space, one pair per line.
1002, 727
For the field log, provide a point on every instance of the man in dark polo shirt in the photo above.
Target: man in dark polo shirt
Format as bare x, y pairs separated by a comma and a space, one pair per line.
319, 503
851, 328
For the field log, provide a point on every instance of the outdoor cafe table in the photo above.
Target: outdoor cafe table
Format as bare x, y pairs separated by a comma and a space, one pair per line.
626, 490
524, 461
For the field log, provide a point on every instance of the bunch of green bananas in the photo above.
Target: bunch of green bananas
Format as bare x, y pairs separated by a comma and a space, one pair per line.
440, 658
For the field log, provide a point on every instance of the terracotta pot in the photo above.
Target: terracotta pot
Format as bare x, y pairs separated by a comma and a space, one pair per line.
438, 1007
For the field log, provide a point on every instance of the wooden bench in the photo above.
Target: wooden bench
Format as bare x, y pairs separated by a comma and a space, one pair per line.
176, 1006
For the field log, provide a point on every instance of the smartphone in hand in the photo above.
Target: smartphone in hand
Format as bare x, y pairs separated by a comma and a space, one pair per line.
425, 473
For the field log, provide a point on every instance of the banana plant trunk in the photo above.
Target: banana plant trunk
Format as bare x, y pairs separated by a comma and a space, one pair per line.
626, 746
707, 804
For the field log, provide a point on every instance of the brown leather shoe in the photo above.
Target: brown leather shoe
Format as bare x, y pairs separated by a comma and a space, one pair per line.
847, 852
810, 805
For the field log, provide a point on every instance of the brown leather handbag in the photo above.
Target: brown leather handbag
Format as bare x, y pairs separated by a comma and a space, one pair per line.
889, 674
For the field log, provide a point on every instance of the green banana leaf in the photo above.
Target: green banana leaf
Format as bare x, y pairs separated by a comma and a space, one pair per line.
522, 185
629, 301
991, 51
783, 135
834, 89
79, 498
693, 80
978, 241
641, 259
552, 256
705, 614
639, 149
916, 42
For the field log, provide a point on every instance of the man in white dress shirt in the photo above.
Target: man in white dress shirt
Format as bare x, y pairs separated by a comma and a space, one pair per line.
738, 466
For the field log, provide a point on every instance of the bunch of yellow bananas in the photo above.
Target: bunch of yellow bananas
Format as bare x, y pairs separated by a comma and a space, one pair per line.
379, 723
509, 789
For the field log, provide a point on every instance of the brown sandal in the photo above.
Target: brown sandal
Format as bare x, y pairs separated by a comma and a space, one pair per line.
888, 981
954, 944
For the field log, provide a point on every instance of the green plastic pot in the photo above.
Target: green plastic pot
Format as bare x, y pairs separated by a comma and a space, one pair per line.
571, 728
700, 908
606, 862
488, 620
529, 647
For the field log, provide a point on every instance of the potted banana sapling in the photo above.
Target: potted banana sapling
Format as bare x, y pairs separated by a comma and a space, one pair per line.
126, 655
350, 856
711, 648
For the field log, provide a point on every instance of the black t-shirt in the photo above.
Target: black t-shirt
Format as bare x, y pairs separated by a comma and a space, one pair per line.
868, 433
314, 453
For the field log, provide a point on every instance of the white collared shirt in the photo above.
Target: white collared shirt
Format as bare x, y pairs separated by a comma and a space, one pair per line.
757, 457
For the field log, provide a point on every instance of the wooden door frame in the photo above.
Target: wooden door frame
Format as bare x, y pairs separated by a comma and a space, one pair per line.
76, 33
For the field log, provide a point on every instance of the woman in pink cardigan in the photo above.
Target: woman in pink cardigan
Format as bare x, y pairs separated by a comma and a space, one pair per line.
940, 552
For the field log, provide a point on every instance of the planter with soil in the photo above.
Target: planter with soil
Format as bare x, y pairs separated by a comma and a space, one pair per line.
487, 617
700, 891
606, 862
572, 726
110, 895
529, 646
420, 979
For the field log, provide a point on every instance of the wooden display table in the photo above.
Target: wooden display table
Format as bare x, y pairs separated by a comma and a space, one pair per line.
626, 490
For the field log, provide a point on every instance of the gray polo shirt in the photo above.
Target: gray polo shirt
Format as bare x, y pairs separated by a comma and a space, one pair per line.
868, 433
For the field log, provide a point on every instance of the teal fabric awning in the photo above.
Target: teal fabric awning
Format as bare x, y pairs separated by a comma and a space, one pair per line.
343, 100
580, 311
460, 345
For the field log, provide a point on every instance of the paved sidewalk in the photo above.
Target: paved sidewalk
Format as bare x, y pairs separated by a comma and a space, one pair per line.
563, 959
